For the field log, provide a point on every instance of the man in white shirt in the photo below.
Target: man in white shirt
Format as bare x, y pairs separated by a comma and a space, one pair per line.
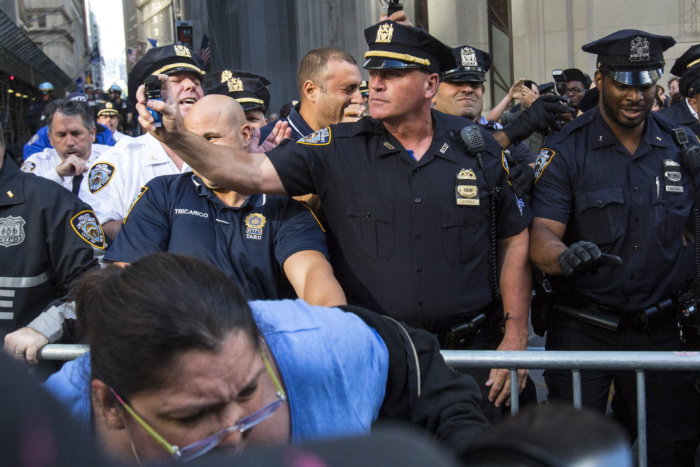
71, 131
116, 177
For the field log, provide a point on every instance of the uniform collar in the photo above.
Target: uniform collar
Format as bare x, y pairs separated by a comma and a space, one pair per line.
11, 184
443, 144
253, 201
602, 135
299, 126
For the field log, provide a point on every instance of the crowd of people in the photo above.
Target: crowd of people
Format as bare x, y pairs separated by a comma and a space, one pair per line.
242, 279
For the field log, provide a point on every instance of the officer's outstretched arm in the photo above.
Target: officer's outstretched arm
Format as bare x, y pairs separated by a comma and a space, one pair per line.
312, 277
546, 244
229, 167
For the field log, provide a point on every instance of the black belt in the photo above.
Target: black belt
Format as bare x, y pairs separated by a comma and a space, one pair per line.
614, 319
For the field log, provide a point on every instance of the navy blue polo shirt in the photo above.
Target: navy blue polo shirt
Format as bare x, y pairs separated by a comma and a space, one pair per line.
634, 206
400, 243
298, 125
250, 244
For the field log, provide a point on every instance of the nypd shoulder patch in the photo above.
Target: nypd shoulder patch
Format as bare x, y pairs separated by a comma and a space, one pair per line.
87, 227
321, 137
28, 167
504, 161
141, 192
544, 158
100, 175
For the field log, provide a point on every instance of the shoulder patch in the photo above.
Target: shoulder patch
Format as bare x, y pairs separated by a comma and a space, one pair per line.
543, 160
504, 161
28, 167
87, 227
321, 137
100, 175
143, 190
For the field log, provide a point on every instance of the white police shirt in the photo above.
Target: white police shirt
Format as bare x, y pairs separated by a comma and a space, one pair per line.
44, 164
116, 177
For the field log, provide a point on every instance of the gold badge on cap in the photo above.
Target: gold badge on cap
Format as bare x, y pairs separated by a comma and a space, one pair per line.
226, 75
182, 51
108, 105
234, 84
468, 57
639, 49
466, 189
385, 33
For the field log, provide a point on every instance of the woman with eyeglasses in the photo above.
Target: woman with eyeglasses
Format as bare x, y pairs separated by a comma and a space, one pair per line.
181, 364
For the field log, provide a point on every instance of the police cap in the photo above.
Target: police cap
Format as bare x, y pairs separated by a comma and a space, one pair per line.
106, 109
631, 56
394, 45
168, 59
546, 88
472, 65
688, 60
249, 89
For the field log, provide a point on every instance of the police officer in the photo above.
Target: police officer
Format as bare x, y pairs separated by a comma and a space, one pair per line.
117, 176
685, 111
126, 111
107, 114
328, 81
48, 238
71, 131
249, 90
610, 205
404, 199
35, 115
264, 243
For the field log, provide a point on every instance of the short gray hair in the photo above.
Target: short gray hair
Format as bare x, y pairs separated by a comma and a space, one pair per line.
71, 108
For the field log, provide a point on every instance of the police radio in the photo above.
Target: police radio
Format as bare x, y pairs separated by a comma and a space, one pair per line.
152, 85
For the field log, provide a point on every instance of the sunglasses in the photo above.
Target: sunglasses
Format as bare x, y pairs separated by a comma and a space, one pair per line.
201, 447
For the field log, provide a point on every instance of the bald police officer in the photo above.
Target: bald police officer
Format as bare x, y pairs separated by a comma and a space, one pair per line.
610, 204
403, 197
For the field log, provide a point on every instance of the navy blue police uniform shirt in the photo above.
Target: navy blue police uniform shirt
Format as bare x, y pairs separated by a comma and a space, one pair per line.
48, 238
298, 125
399, 241
250, 243
635, 207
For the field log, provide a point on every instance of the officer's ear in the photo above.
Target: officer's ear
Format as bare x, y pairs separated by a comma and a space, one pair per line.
105, 406
246, 134
309, 90
431, 85
598, 78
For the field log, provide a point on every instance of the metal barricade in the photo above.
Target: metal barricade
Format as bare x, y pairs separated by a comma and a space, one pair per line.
575, 361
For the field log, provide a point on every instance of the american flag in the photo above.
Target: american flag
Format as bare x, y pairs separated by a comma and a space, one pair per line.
205, 50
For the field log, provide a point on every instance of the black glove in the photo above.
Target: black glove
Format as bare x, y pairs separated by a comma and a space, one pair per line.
584, 256
522, 179
540, 117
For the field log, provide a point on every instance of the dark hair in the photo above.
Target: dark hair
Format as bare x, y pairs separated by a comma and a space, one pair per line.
71, 108
313, 65
529, 84
139, 318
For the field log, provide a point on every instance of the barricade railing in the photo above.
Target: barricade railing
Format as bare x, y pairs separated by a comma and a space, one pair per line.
575, 361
